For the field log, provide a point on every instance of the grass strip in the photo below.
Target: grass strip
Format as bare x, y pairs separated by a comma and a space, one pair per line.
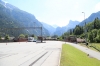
71, 56
93, 46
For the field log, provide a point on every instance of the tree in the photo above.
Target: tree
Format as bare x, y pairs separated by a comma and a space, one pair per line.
96, 23
71, 32
21, 36
65, 35
90, 37
78, 30
94, 34
89, 26
92, 31
33, 35
26, 36
82, 35
98, 36
7, 37
81, 30
0, 37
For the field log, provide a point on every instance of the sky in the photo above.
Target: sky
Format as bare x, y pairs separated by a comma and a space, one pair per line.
58, 12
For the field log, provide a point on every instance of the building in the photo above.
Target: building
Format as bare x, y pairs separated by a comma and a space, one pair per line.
71, 39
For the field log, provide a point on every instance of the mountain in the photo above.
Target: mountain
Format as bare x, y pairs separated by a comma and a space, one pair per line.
60, 30
12, 17
72, 24
90, 18
55, 26
50, 28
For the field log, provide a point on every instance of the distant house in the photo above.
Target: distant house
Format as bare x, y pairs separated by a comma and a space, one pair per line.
71, 39
79, 40
50, 38
40, 38
9, 40
20, 39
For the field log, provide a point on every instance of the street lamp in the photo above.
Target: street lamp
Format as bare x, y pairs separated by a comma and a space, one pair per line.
84, 15
85, 29
41, 33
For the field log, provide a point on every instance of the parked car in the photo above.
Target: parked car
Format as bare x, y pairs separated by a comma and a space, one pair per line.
30, 39
34, 40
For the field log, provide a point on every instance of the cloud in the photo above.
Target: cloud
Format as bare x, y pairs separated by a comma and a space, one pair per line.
97, 7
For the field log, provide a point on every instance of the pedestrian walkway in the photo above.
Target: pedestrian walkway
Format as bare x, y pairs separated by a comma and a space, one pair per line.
88, 51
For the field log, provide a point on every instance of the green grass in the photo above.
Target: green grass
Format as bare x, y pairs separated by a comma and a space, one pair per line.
73, 57
96, 45
93, 46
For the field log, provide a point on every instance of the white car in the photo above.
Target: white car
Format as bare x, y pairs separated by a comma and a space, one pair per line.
30, 39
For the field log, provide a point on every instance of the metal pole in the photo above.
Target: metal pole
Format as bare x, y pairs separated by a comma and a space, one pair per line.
85, 28
41, 34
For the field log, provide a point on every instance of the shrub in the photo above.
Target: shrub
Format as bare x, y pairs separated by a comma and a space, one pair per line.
7, 37
21, 36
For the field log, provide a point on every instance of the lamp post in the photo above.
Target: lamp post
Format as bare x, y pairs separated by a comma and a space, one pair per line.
85, 29
41, 35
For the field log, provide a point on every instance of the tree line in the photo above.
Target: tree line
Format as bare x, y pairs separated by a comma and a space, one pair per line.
91, 31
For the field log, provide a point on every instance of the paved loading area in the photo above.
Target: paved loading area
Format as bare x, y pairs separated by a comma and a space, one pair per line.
30, 53
36, 54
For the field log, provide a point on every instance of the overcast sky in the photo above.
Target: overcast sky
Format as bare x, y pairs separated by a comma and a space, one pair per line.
58, 12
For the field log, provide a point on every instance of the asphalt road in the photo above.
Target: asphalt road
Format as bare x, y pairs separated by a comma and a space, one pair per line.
92, 53
36, 54
30, 53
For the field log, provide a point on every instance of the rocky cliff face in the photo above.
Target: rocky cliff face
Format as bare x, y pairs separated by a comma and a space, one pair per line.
12, 17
